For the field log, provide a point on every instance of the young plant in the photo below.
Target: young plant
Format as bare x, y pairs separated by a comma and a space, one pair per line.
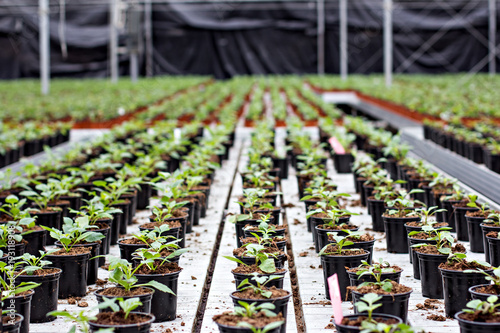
13, 208
376, 267
263, 260
367, 304
75, 232
402, 205
427, 213
9, 289
461, 258
442, 236
259, 288
31, 263
46, 194
488, 307
340, 243
122, 273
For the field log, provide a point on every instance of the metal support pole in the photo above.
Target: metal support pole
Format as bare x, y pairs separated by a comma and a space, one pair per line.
134, 66
113, 40
388, 42
44, 46
492, 37
343, 39
148, 36
320, 6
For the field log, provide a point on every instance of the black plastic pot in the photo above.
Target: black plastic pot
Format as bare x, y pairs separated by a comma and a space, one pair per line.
18, 249
114, 224
467, 326
73, 280
396, 305
396, 233
430, 277
143, 196
356, 280
321, 238
337, 264
22, 306
475, 233
413, 254
367, 246
368, 192
494, 247
282, 164
481, 296
461, 222
44, 299
455, 288
145, 300
449, 215
105, 242
143, 327
75, 202
377, 208
163, 305
492, 161
281, 305
36, 241
50, 219
121, 219
126, 250
309, 204
14, 327
132, 208
486, 228
356, 329
342, 162
190, 218
278, 283
93, 264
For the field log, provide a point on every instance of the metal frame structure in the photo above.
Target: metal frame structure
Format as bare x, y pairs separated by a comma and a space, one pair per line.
387, 6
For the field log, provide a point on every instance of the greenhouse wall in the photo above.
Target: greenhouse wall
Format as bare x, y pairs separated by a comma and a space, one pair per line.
224, 39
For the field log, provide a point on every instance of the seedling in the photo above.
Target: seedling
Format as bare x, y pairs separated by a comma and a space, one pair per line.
488, 307
31, 263
261, 282
250, 310
461, 258
427, 213
340, 243
380, 266
367, 304
75, 232
403, 206
9, 289
263, 260
122, 273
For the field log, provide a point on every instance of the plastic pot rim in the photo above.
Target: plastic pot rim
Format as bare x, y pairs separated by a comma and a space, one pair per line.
96, 293
375, 315
249, 300
477, 323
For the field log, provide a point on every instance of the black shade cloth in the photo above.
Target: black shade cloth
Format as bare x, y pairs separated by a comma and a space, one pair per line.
226, 38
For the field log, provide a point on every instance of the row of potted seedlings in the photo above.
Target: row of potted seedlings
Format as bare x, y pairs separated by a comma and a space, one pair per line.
30, 138
344, 249
438, 261
260, 300
85, 234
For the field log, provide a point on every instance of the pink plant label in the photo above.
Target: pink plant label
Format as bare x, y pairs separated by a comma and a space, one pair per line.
335, 298
336, 146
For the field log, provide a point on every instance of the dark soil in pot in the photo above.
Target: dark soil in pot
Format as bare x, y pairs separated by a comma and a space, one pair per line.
278, 242
145, 295
394, 303
22, 306
12, 324
279, 298
279, 231
483, 291
352, 323
355, 279
477, 323
279, 260
137, 322
241, 273
228, 322
365, 242
485, 229
74, 266
128, 246
163, 305
45, 298
239, 225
